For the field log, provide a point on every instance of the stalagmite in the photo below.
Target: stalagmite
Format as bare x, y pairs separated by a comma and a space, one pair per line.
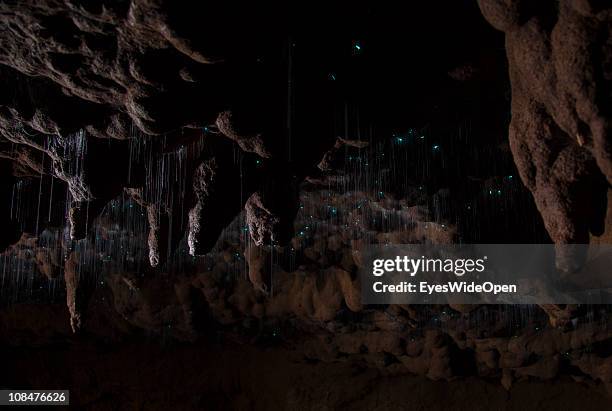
73, 297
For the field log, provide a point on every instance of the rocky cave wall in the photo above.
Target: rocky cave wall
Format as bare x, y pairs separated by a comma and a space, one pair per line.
177, 179
559, 64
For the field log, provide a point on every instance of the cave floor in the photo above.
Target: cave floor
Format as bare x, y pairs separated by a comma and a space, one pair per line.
149, 375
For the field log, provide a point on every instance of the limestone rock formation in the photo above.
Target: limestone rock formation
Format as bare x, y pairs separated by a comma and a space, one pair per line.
559, 61
216, 173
